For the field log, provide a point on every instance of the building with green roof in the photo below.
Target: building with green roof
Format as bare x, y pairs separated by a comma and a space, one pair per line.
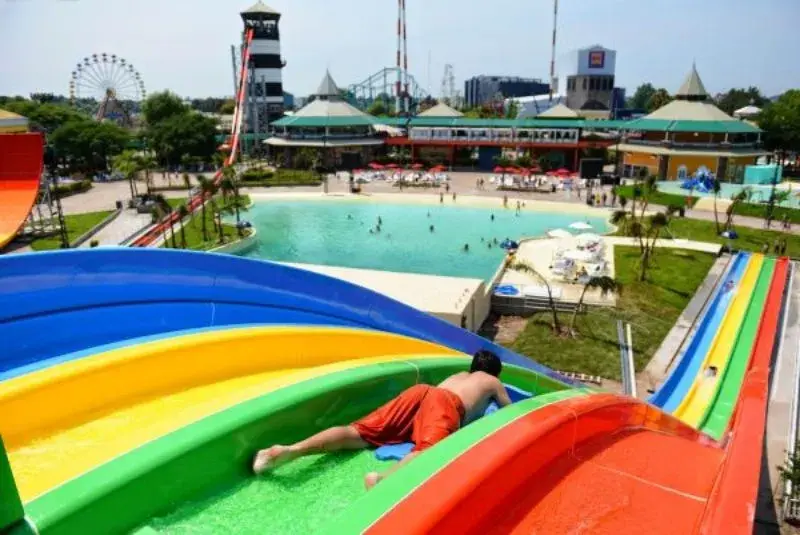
688, 134
341, 132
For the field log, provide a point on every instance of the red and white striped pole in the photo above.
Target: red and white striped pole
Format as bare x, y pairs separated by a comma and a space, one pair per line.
553, 53
406, 95
398, 84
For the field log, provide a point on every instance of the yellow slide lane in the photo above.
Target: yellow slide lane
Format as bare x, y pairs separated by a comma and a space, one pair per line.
61, 422
701, 393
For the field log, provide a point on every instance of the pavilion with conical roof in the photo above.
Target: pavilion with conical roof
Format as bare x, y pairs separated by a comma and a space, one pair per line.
341, 133
688, 134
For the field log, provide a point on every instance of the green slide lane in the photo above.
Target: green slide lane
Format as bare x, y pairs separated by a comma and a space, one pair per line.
198, 478
304, 496
719, 411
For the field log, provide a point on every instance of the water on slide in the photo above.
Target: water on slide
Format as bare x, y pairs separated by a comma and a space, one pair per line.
719, 413
300, 497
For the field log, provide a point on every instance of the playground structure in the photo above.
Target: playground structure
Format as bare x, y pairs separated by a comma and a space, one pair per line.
20, 174
701, 182
135, 417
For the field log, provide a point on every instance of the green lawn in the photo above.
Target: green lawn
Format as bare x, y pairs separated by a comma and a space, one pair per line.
750, 239
76, 225
664, 199
651, 307
193, 229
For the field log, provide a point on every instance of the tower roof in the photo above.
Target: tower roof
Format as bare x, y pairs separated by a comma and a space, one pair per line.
692, 86
441, 110
327, 87
259, 7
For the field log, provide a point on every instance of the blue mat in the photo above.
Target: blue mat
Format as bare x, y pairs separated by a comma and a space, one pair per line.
396, 452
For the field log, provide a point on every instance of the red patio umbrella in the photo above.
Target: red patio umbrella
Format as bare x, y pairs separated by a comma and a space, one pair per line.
392, 166
417, 166
563, 171
437, 169
375, 165
499, 169
535, 169
551, 173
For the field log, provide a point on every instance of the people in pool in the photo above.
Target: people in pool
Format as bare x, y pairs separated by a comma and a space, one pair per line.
423, 414
466, 247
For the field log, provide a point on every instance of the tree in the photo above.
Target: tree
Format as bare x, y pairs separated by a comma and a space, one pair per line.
207, 190
660, 98
146, 163
183, 212
716, 187
737, 98
781, 123
603, 283
525, 267
641, 97
378, 107
47, 116
513, 110
650, 232
744, 195
190, 134
87, 145
187, 180
227, 107
230, 185
161, 106
126, 164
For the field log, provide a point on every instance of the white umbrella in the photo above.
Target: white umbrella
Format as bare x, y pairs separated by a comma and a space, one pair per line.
580, 256
588, 237
559, 233
580, 225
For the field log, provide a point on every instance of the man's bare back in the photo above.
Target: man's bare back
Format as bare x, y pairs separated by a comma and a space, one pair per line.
476, 390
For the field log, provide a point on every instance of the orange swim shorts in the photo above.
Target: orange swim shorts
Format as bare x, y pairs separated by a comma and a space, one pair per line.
422, 414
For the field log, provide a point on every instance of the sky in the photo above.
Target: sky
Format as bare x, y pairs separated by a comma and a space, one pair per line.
184, 45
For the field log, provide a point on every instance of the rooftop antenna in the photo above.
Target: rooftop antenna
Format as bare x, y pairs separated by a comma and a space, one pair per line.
553, 53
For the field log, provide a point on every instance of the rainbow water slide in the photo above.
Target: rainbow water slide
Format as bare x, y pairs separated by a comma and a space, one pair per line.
20, 171
163, 427
669, 396
706, 382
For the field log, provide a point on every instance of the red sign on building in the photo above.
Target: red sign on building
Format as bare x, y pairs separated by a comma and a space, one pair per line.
597, 59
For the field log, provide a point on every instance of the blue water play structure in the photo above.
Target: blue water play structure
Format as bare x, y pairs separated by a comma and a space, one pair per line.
702, 181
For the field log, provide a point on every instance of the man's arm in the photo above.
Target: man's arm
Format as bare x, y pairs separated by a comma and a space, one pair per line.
500, 394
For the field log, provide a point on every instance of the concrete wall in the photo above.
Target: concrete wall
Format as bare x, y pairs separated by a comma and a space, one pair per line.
239, 246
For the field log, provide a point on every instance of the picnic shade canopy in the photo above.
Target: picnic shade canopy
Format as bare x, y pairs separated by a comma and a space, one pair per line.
559, 233
580, 225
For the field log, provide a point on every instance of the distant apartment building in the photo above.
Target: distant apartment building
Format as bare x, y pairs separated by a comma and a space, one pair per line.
481, 90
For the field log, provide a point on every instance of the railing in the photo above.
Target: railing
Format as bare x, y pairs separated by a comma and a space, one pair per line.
690, 145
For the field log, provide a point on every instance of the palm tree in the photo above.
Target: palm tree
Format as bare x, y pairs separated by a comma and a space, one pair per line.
125, 163
216, 214
743, 196
620, 219
604, 283
230, 183
183, 212
205, 187
524, 267
187, 181
146, 162
158, 214
716, 187
648, 237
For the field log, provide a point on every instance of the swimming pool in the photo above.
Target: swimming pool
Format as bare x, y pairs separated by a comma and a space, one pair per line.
337, 233
760, 193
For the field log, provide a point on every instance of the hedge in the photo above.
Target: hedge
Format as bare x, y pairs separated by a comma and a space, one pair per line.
73, 188
280, 177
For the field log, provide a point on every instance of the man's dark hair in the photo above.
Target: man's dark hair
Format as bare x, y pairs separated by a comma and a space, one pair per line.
486, 361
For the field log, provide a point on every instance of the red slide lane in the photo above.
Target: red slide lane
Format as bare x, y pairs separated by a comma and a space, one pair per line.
21, 158
197, 200
596, 464
732, 506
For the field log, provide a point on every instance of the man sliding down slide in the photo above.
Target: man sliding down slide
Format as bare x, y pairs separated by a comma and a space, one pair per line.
422, 414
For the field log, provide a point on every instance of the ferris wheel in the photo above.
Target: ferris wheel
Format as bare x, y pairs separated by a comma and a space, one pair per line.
111, 81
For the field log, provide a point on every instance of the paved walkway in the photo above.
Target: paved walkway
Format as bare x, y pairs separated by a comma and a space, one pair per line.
123, 226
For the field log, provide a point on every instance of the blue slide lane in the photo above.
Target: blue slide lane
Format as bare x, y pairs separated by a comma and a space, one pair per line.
672, 392
56, 303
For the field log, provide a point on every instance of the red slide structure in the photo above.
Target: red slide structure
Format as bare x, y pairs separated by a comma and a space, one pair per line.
197, 200
605, 464
21, 157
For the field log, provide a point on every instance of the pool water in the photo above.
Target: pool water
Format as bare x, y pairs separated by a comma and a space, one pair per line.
760, 194
342, 233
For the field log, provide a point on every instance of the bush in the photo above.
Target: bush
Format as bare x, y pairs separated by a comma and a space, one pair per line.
257, 174
94, 243
281, 177
65, 190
